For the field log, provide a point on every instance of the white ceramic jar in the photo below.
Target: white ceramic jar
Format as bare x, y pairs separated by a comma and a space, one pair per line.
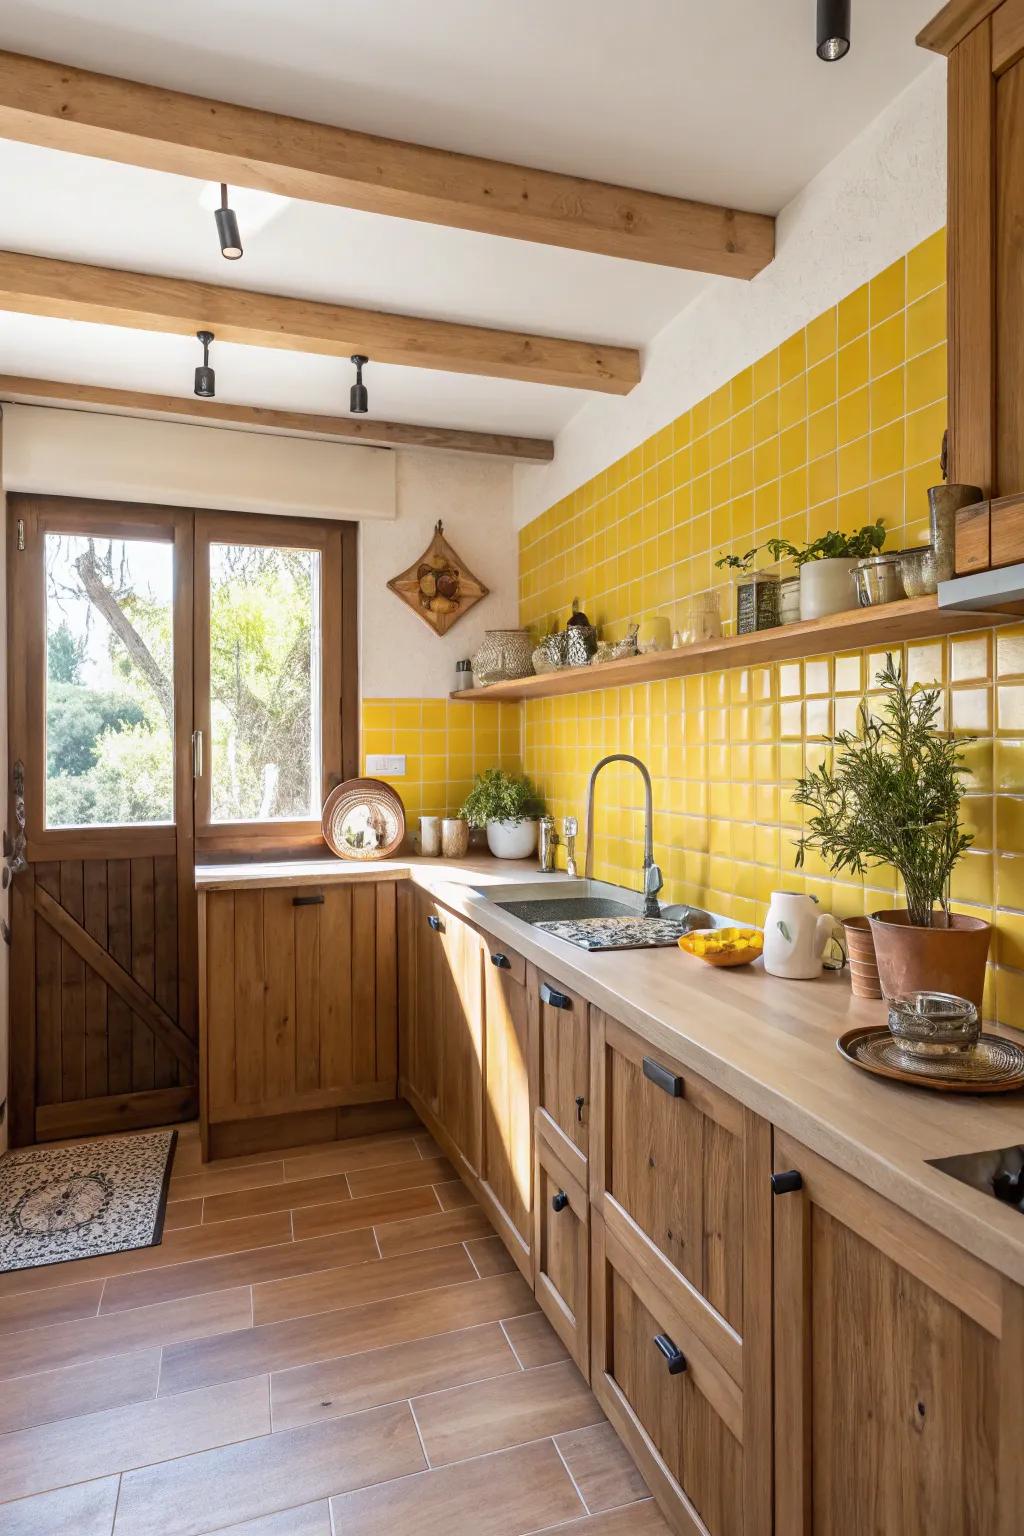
796, 932
826, 586
512, 839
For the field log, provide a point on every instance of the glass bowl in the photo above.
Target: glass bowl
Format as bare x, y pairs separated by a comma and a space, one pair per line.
934, 1024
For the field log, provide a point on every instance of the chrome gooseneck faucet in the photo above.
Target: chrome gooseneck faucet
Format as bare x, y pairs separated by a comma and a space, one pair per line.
652, 874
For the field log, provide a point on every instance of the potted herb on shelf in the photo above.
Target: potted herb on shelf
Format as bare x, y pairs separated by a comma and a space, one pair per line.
892, 796
825, 565
508, 807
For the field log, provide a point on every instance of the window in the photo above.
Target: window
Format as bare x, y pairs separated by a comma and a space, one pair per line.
109, 681
265, 683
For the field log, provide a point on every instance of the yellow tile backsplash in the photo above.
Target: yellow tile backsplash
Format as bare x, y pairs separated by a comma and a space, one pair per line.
445, 745
840, 424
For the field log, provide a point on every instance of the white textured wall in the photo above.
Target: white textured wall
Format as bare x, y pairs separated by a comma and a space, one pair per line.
882, 195
401, 656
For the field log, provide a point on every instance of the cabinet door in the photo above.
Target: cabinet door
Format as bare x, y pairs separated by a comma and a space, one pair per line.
898, 1368
507, 1170
680, 1176
564, 1052
673, 1403
461, 1034
300, 1002
561, 1247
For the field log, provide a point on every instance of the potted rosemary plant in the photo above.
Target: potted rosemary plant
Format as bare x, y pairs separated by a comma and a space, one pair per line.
825, 566
891, 795
508, 806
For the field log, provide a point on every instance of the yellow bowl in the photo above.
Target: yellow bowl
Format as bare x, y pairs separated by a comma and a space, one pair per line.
723, 946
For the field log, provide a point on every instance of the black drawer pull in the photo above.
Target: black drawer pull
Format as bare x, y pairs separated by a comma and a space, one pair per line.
580, 1101
308, 901
559, 1201
552, 998
501, 961
435, 922
674, 1357
663, 1078
786, 1183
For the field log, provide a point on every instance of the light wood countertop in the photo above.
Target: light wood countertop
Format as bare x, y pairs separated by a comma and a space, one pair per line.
770, 1043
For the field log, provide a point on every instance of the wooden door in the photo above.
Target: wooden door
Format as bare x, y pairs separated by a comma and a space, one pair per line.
680, 1188
564, 1067
898, 1368
103, 911
299, 1006
561, 1245
461, 1036
509, 1098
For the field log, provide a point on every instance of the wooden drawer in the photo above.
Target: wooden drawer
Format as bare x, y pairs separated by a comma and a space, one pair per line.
675, 1406
564, 1059
561, 1246
673, 1161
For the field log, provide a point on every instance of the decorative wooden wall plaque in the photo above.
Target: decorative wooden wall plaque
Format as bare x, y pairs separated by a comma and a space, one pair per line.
438, 586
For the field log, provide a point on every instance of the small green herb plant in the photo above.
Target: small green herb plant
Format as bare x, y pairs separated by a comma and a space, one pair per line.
500, 796
831, 546
892, 796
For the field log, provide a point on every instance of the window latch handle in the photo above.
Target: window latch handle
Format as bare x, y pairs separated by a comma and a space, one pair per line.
197, 754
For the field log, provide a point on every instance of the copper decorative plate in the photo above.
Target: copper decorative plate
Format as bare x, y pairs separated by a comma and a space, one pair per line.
363, 819
995, 1065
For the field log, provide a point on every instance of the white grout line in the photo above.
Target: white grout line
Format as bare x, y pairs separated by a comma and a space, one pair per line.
99, 1304
568, 1469
578, 1520
159, 1373
511, 1346
471, 1259
376, 1241
117, 1500
419, 1434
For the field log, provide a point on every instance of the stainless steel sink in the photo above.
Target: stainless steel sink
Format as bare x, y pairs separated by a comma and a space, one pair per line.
569, 910
594, 915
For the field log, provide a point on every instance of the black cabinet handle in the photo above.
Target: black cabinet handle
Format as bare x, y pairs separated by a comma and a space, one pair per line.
675, 1360
663, 1078
308, 901
501, 961
580, 1101
559, 1201
786, 1183
435, 922
552, 998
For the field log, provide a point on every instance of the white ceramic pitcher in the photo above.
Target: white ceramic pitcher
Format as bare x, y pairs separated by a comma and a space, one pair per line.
796, 932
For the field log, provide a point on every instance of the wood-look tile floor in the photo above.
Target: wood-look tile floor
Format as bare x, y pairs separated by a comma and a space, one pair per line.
328, 1340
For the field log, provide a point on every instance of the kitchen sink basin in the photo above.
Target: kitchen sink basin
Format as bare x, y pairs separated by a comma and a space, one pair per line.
544, 910
594, 915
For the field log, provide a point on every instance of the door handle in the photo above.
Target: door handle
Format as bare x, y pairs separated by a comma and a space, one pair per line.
663, 1078
786, 1183
559, 1201
502, 962
675, 1360
580, 1101
433, 921
309, 901
553, 999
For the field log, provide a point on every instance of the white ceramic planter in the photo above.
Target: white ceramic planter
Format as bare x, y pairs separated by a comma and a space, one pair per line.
826, 586
512, 839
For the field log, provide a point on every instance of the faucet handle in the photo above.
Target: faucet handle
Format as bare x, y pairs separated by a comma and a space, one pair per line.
570, 826
653, 881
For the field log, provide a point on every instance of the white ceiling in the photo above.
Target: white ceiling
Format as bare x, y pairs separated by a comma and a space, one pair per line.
716, 99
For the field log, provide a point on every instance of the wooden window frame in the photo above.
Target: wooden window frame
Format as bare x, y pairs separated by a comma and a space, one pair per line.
336, 543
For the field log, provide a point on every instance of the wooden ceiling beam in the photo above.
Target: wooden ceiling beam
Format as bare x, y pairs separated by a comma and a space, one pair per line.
60, 107
376, 434
68, 290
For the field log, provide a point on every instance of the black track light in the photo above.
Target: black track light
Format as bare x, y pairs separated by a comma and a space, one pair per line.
358, 399
833, 29
205, 377
227, 228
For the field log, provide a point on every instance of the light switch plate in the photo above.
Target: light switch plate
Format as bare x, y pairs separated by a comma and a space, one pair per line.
389, 765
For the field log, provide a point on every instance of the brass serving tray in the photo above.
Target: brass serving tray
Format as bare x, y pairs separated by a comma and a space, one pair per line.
995, 1065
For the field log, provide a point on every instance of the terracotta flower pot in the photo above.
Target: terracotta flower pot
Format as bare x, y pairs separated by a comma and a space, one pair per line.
913, 959
860, 946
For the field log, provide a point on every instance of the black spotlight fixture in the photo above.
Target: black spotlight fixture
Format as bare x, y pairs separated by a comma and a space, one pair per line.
358, 399
205, 377
227, 227
833, 29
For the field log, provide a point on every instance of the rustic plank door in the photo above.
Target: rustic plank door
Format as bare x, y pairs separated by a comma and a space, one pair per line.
103, 909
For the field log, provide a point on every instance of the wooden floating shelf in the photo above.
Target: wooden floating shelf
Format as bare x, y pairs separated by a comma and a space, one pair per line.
915, 618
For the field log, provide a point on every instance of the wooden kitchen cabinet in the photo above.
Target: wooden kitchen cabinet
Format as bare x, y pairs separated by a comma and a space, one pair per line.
899, 1361
298, 999
681, 1215
509, 1096
561, 1244
563, 1049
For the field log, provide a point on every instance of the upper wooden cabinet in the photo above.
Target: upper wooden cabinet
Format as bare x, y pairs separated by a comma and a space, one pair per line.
984, 43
